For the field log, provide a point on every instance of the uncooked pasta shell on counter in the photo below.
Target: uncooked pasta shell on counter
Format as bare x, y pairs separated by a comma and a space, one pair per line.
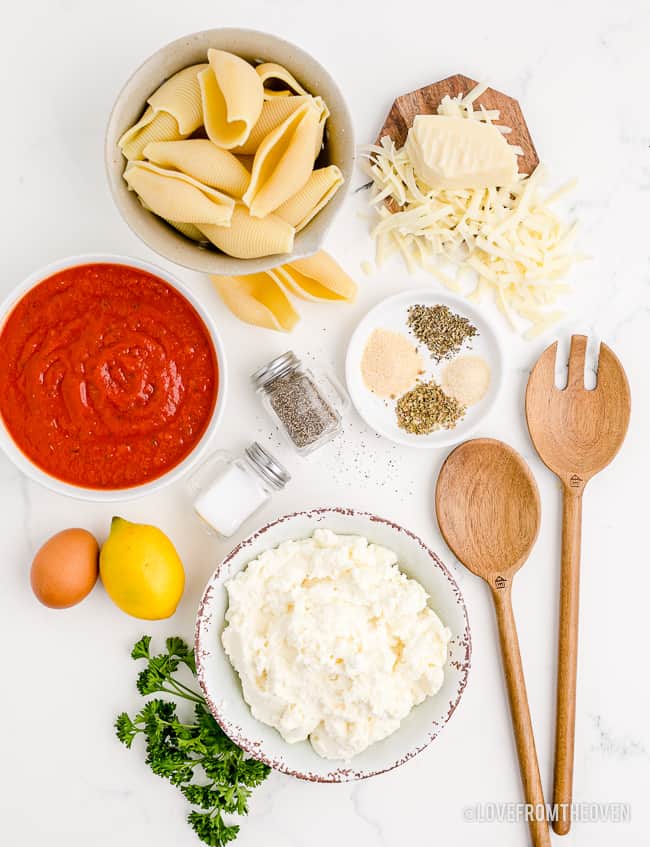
232, 97
317, 277
257, 299
250, 238
274, 112
174, 112
177, 197
202, 160
269, 71
283, 162
319, 189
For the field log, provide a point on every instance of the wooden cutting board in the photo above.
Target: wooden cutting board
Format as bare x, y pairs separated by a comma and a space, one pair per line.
425, 101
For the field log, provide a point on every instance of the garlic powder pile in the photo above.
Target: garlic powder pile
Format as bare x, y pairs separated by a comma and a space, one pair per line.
390, 364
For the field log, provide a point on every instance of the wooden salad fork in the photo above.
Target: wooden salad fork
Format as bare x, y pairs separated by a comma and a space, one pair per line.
577, 432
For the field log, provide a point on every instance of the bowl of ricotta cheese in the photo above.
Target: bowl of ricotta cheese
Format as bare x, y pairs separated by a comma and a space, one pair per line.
333, 645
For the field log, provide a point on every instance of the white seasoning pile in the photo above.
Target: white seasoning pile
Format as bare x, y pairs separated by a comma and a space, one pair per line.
390, 364
467, 379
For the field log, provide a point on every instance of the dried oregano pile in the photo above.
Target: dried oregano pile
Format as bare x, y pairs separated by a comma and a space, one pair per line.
442, 331
426, 408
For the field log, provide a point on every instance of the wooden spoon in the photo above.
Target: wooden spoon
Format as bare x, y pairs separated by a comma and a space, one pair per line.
488, 510
576, 433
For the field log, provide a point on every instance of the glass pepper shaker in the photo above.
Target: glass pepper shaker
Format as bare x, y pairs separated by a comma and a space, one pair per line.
226, 490
307, 407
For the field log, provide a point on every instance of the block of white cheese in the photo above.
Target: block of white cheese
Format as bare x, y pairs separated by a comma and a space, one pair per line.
456, 153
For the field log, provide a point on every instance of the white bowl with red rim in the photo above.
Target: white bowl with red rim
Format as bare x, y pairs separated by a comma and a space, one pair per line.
221, 686
110, 495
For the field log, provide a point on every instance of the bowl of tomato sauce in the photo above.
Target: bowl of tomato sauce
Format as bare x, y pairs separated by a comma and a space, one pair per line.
112, 377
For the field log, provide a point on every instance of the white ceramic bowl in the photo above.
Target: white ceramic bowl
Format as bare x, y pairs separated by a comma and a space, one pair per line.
35, 473
391, 314
192, 49
222, 688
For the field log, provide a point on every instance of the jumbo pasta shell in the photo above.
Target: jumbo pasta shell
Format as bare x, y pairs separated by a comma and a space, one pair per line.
319, 189
270, 71
277, 110
202, 160
283, 162
151, 127
232, 97
180, 96
249, 238
174, 112
246, 161
257, 299
188, 230
324, 114
177, 197
274, 112
317, 277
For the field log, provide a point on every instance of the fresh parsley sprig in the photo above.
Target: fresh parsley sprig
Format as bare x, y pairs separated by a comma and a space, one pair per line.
185, 752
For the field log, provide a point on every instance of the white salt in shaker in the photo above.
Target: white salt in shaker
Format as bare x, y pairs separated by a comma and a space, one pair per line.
227, 489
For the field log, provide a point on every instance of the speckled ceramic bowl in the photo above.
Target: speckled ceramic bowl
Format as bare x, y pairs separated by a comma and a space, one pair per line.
222, 688
192, 49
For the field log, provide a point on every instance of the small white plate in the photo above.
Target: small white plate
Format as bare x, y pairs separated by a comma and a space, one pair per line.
392, 314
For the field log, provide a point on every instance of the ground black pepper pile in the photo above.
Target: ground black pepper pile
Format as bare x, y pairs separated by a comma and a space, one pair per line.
426, 408
442, 331
301, 407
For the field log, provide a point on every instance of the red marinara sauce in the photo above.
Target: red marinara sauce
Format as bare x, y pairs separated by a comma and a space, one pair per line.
108, 376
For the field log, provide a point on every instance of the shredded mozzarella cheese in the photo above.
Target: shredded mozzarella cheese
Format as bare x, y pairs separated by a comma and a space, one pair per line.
509, 238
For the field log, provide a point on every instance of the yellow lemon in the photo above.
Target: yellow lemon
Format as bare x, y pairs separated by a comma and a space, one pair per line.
141, 570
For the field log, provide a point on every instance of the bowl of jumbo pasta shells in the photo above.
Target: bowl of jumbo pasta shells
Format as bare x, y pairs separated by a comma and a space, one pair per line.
228, 151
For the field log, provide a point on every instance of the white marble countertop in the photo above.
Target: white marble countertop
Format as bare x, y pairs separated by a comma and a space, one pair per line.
580, 71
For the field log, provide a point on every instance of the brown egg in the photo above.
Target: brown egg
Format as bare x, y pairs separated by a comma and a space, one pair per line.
65, 568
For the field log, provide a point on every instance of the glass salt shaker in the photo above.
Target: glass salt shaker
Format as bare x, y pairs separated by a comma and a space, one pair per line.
226, 490
307, 407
